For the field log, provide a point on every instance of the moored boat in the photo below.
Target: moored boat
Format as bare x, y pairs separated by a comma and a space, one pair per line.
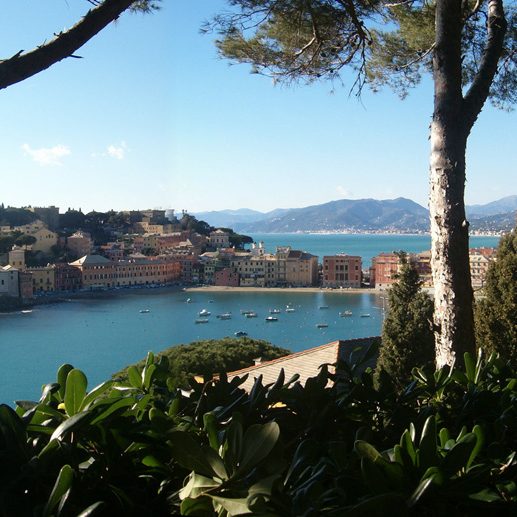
204, 313
322, 325
240, 333
251, 314
365, 315
271, 318
345, 313
144, 311
225, 316
201, 320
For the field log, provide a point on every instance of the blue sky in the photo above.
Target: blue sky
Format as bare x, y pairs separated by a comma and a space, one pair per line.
152, 117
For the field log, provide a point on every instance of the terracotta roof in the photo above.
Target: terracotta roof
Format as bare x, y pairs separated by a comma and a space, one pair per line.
306, 363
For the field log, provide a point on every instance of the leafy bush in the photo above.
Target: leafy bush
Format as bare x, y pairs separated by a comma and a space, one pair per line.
210, 357
496, 313
445, 445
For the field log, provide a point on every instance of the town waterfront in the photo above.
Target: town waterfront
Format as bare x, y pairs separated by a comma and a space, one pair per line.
102, 334
364, 245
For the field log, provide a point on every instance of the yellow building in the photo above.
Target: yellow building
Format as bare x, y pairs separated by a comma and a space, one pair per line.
43, 278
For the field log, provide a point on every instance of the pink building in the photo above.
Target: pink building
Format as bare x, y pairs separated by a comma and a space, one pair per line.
226, 277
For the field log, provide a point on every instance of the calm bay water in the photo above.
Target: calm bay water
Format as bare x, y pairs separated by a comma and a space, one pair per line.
103, 334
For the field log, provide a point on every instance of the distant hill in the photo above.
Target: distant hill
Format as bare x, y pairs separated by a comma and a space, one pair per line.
346, 214
236, 218
501, 206
390, 215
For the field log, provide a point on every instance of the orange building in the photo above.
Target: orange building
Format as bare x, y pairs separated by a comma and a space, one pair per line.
342, 271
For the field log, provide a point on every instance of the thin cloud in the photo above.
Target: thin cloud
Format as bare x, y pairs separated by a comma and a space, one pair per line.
342, 191
117, 151
47, 156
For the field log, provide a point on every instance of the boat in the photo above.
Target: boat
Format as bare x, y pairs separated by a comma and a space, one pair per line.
345, 313
322, 325
144, 311
26, 311
324, 306
271, 318
202, 320
251, 314
274, 311
189, 300
225, 316
203, 313
240, 333
365, 315
289, 309
243, 312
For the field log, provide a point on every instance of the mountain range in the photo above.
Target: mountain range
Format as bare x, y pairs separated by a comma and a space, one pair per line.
358, 215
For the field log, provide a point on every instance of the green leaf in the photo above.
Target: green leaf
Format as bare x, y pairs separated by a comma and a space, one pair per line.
112, 407
94, 394
92, 509
62, 374
428, 454
192, 455
378, 506
210, 427
134, 377
232, 506
71, 424
197, 486
258, 442
61, 486
75, 392
200, 507
470, 367
148, 374
486, 495
420, 490
365, 450
458, 457
480, 440
13, 436
444, 436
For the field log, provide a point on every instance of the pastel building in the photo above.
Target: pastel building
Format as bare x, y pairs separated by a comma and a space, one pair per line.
342, 271
9, 285
43, 278
219, 239
80, 243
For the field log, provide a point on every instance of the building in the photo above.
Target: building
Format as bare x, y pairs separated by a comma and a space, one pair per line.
342, 271
43, 278
301, 269
9, 285
49, 215
226, 277
97, 272
219, 239
67, 277
17, 257
80, 243
305, 364
384, 270
480, 260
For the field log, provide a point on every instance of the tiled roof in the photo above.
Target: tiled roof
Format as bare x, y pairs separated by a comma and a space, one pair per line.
306, 363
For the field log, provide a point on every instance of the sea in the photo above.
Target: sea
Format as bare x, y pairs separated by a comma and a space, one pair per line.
103, 333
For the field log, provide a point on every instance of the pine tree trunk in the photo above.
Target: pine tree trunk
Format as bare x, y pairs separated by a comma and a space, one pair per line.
453, 314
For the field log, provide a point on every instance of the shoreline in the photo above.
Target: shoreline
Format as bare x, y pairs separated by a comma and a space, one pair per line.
222, 289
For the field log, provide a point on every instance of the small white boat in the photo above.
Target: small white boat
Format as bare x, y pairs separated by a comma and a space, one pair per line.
251, 314
144, 311
240, 333
274, 311
365, 315
201, 320
324, 306
26, 311
289, 309
345, 313
189, 300
322, 325
225, 316
203, 313
271, 318
245, 312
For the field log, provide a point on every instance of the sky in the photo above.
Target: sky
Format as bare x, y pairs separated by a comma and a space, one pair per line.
152, 117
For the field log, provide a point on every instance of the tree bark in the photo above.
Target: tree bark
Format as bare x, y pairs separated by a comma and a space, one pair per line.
453, 118
22, 66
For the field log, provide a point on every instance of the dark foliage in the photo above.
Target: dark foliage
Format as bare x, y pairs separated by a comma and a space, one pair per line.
407, 337
496, 313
